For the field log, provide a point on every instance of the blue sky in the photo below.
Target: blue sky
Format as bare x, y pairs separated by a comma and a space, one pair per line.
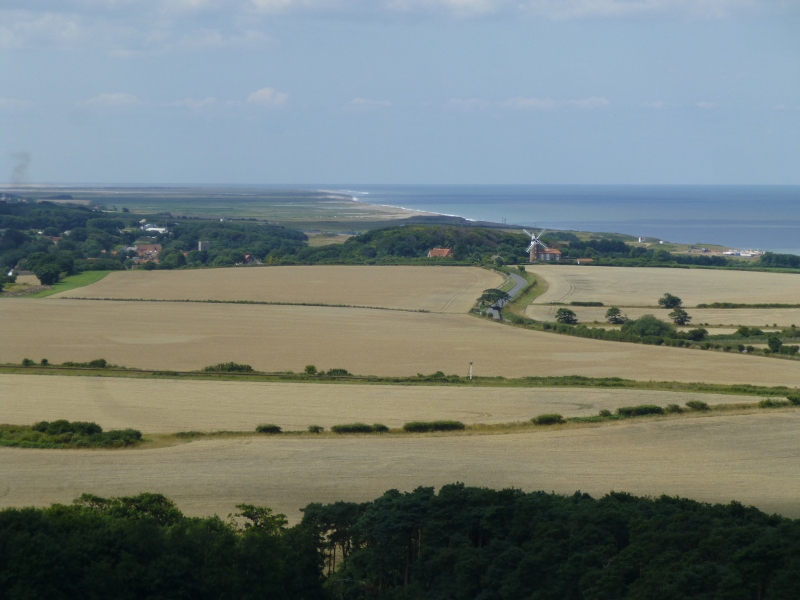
400, 91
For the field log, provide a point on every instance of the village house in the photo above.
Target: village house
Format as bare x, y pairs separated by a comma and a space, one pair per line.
440, 253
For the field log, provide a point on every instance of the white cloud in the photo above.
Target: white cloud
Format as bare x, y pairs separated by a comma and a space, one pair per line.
361, 104
14, 104
193, 104
706, 105
525, 103
110, 101
268, 97
589, 103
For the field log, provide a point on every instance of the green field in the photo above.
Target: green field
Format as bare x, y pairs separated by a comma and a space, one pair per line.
72, 282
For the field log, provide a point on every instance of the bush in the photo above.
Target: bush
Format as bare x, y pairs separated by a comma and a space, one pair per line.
65, 434
27, 362
673, 408
315, 429
639, 411
605, 413
229, 367
338, 373
794, 399
379, 428
548, 419
649, 326
426, 426
352, 428
698, 405
566, 316
44, 362
773, 403
669, 301
268, 428
310, 370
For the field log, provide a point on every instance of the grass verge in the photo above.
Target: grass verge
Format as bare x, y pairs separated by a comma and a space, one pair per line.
72, 282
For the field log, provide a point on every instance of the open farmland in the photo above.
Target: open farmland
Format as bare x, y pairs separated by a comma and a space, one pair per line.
189, 336
169, 406
436, 289
621, 286
754, 459
752, 317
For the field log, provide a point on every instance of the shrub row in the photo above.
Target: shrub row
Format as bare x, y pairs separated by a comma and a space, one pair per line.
359, 428
66, 434
426, 426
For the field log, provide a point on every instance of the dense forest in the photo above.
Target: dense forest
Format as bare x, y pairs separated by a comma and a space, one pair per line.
54, 240
459, 543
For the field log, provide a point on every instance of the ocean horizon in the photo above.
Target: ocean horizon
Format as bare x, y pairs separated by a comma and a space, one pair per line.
741, 217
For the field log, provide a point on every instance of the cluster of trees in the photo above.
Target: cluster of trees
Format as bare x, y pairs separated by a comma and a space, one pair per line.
458, 544
478, 543
66, 434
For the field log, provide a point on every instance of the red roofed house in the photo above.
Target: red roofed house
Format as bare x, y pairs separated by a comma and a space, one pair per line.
440, 253
550, 254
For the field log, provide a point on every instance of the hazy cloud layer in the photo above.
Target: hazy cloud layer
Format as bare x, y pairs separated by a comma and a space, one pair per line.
265, 97
522, 103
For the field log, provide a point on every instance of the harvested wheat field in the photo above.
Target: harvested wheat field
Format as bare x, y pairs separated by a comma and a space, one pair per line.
752, 317
169, 406
754, 459
182, 336
436, 289
640, 286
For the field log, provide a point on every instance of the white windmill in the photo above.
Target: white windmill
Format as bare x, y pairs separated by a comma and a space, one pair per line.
535, 240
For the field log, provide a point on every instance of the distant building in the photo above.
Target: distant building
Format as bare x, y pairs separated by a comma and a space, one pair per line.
440, 253
548, 255
147, 251
585, 261
203, 246
641, 239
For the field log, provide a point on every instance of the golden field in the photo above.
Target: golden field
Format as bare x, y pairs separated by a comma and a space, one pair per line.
754, 459
169, 406
189, 336
436, 289
640, 286
752, 317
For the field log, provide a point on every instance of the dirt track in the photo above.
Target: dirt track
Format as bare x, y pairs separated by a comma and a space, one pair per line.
754, 459
168, 406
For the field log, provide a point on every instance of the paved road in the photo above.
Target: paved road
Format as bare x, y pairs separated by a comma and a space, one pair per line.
519, 285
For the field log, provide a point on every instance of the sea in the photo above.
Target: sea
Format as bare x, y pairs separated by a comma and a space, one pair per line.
741, 217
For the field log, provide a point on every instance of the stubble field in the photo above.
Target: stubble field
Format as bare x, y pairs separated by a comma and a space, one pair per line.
435, 289
169, 406
189, 336
621, 286
750, 458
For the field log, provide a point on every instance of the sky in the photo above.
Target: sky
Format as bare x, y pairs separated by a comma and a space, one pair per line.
400, 91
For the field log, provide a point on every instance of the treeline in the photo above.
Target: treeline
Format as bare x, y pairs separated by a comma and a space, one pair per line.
460, 543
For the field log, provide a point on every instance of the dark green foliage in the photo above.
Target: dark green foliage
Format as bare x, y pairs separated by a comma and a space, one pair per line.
548, 419
669, 301
66, 434
315, 429
44, 362
97, 363
352, 428
360, 428
566, 316
639, 411
680, 317
774, 343
426, 426
648, 326
785, 261
229, 367
698, 405
27, 362
745, 331
310, 370
578, 303
673, 409
268, 428
605, 413
615, 316
143, 547
474, 543
337, 373
794, 399
493, 296
773, 403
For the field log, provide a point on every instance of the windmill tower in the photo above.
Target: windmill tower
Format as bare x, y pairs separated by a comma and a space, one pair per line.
536, 247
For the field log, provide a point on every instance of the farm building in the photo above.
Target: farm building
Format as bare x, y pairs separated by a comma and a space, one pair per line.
148, 251
549, 254
440, 253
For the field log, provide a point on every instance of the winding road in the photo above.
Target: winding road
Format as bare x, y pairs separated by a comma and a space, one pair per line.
519, 285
